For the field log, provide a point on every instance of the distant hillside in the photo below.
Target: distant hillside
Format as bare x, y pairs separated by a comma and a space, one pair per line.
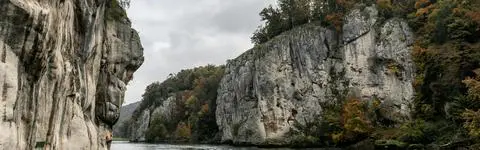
120, 128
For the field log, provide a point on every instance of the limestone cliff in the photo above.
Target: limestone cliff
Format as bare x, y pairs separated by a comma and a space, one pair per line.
270, 91
64, 66
140, 126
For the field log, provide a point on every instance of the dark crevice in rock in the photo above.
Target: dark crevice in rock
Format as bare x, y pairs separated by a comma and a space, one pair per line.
354, 39
33, 101
31, 60
4, 54
325, 42
53, 111
252, 96
4, 92
295, 59
27, 33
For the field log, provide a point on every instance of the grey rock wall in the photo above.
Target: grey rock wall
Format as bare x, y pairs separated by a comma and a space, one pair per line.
140, 127
64, 66
164, 111
275, 87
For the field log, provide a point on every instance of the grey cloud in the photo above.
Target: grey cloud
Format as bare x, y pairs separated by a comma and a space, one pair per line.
238, 17
182, 34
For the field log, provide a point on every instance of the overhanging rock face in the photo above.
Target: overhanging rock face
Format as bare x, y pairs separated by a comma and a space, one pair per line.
272, 89
64, 66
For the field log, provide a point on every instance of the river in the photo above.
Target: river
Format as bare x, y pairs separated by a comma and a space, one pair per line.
125, 145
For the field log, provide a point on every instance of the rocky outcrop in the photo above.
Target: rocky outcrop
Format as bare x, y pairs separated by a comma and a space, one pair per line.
378, 62
140, 125
272, 89
64, 66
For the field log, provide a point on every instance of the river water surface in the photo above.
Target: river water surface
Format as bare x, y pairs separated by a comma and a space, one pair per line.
125, 145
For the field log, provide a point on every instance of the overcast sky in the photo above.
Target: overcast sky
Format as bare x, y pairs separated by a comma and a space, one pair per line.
182, 34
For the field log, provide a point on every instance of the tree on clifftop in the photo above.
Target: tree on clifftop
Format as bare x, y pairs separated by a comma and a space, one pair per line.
292, 13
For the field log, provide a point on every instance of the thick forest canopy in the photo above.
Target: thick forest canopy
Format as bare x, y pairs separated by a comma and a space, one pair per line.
195, 94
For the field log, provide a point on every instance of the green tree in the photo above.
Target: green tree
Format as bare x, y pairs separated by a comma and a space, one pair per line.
274, 25
293, 13
193, 117
156, 130
472, 113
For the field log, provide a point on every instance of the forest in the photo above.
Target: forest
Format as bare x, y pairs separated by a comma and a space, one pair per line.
193, 115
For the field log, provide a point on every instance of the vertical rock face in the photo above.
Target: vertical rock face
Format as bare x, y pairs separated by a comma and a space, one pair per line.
64, 65
140, 126
378, 62
289, 81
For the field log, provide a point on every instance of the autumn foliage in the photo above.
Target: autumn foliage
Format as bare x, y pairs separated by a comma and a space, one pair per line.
354, 122
444, 52
192, 119
422, 3
292, 13
183, 131
474, 15
336, 19
354, 118
472, 122
472, 115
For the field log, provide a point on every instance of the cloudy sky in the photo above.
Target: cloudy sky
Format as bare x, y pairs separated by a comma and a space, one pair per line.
182, 34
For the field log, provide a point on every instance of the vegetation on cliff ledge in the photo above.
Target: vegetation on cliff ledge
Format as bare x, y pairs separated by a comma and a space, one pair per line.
115, 10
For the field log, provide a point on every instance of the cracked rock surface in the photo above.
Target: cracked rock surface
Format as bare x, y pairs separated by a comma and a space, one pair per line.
64, 66
270, 90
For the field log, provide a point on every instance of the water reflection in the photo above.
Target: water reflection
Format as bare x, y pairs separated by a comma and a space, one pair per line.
124, 145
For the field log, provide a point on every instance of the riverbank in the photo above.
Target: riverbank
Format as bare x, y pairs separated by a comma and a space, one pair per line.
120, 139
125, 145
